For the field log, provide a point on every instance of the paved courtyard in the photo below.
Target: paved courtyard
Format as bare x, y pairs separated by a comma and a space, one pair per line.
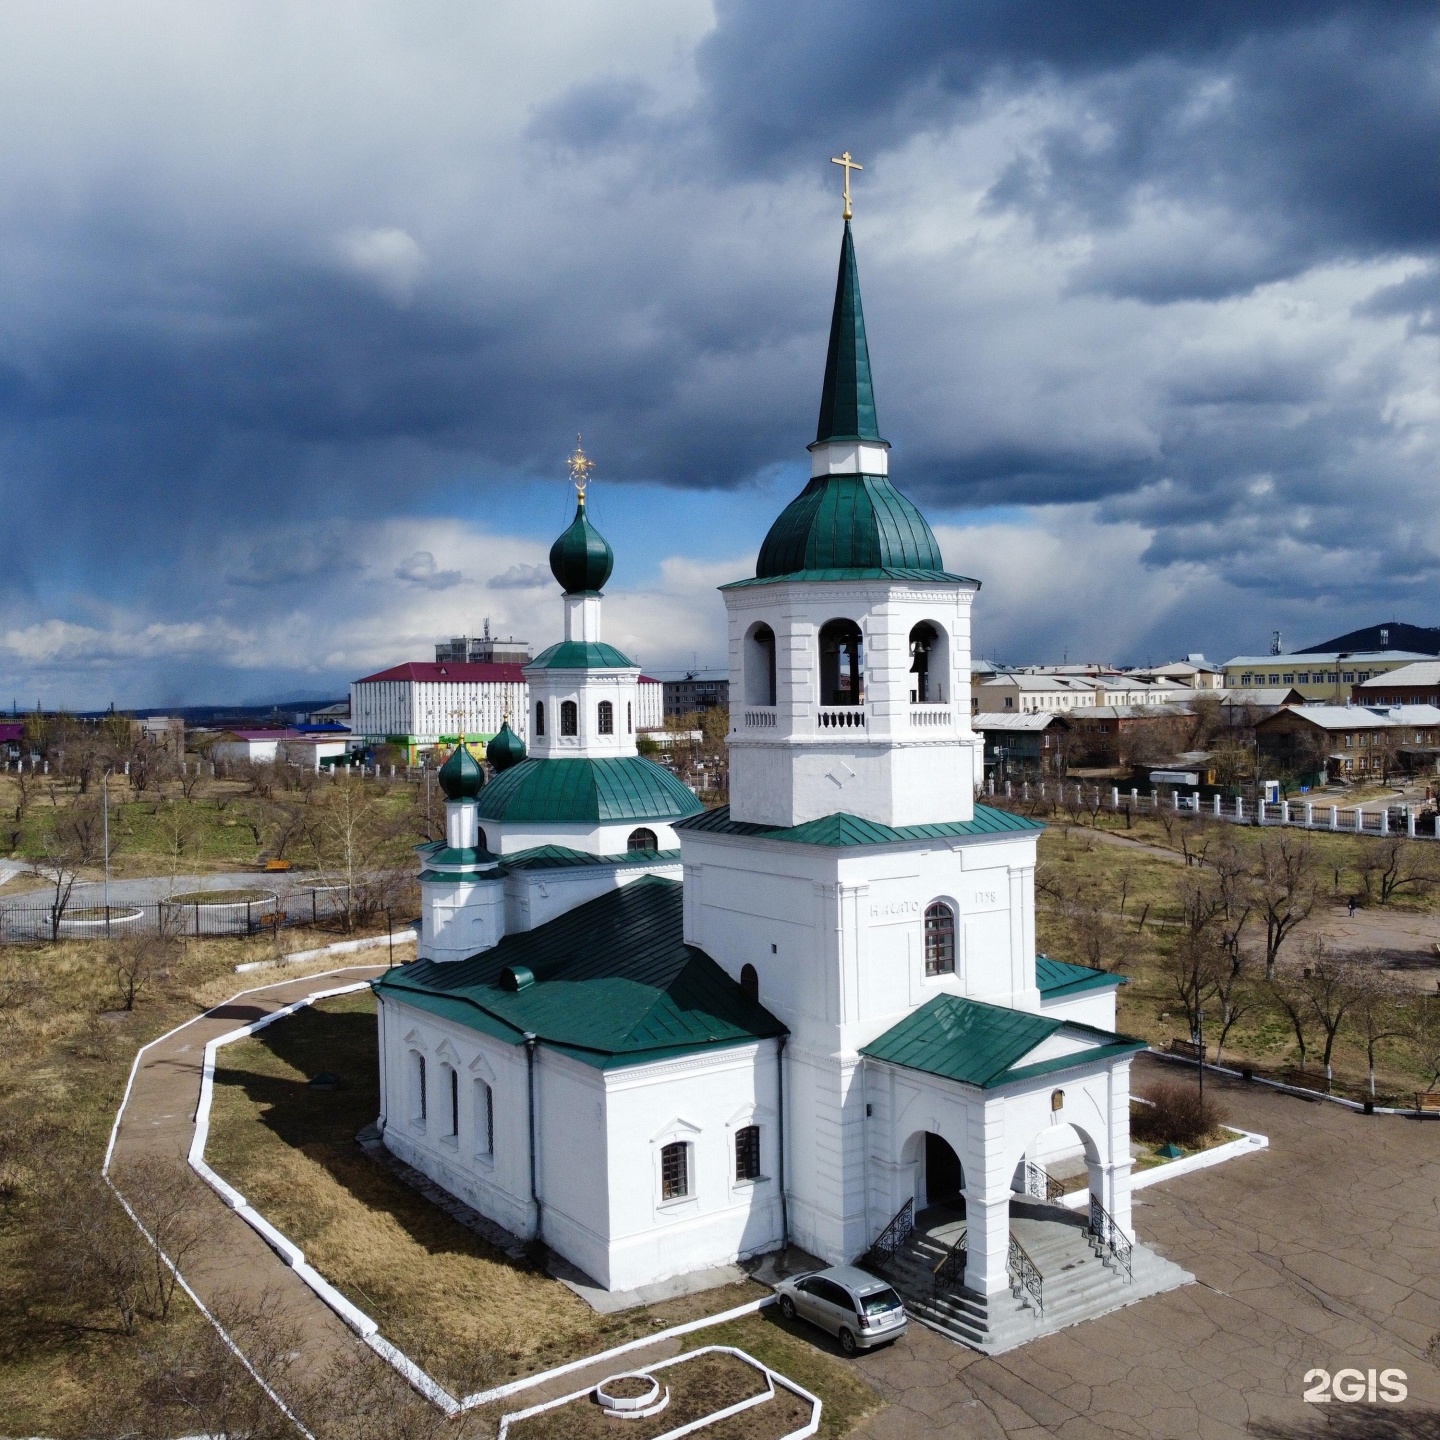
1322, 1251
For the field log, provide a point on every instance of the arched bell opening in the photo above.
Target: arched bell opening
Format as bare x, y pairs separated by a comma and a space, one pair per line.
929, 665
842, 663
760, 666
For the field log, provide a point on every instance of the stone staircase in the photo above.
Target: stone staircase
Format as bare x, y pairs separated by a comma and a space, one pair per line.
1079, 1282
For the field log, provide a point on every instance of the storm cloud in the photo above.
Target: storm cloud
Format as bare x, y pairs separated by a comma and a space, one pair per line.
1156, 283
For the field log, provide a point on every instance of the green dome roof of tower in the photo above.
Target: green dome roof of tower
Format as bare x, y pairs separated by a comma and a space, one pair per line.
581, 559
506, 749
461, 777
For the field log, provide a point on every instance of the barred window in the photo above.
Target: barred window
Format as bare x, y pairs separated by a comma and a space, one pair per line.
629, 718
605, 718
747, 1153
420, 1098
939, 939
569, 718
642, 841
539, 717
484, 1119
675, 1171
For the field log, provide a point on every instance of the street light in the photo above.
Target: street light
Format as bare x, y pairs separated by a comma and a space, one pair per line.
105, 812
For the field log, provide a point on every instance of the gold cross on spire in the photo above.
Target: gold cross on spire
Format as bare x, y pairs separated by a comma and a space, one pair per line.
580, 465
849, 165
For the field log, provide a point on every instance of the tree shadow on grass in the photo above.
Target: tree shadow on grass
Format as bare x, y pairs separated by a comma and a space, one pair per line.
323, 1123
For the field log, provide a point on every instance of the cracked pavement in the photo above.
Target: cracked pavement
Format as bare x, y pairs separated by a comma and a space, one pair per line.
1323, 1250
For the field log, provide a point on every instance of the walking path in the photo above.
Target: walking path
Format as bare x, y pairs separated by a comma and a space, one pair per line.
157, 1118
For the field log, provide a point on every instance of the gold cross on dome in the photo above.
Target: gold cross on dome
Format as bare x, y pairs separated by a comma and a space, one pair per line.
580, 465
849, 165
458, 714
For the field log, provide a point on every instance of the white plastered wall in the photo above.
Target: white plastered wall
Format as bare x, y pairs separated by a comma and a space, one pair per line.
534, 896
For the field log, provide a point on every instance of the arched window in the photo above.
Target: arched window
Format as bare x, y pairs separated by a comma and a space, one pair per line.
750, 982
842, 663
539, 717
484, 1119
454, 1131
747, 1153
605, 718
939, 939
760, 666
629, 718
417, 1080
928, 664
675, 1171
642, 840
569, 718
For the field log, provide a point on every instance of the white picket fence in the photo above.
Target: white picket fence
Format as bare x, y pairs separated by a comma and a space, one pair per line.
1298, 814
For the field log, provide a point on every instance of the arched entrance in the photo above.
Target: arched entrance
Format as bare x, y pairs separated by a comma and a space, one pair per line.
944, 1177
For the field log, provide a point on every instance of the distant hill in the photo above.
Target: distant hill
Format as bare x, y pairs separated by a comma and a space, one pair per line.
1393, 635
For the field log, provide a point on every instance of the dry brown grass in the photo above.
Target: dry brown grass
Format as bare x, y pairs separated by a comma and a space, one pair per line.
466, 1310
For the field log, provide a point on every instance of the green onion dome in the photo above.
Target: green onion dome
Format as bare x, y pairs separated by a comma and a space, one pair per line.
461, 777
505, 750
581, 559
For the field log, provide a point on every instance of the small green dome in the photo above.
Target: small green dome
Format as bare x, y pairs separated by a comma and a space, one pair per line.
461, 777
581, 559
505, 750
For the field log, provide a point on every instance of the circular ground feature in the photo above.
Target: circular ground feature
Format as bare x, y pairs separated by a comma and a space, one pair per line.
223, 897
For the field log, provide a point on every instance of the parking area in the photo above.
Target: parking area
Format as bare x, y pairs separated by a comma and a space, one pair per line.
1323, 1251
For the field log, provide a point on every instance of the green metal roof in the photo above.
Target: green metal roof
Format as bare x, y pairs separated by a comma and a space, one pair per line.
847, 398
582, 655
848, 522
980, 1044
874, 572
614, 984
843, 829
578, 792
1058, 977
467, 855
505, 749
461, 777
581, 559
561, 857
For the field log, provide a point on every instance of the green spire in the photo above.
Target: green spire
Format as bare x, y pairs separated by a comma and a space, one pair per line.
847, 403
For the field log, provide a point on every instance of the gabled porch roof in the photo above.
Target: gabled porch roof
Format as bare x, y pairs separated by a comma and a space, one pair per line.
984, 1045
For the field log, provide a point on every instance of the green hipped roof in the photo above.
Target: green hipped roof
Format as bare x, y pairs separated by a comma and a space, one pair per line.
562, 857
581, 655
580, 792
849, 522
1058, 977
615, 984
581, 559
982, 1045
847, 399
843, 829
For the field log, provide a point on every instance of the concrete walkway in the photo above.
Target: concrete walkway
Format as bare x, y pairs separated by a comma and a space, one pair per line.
158, 1120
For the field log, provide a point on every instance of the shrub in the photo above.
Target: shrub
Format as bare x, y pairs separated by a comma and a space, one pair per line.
1176, 1115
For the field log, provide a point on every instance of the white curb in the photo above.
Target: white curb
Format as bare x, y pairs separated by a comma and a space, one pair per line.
340, 947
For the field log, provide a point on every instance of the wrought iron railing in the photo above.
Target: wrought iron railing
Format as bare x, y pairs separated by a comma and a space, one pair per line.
1109, 1236
1040, 1185
1025, 1273
894, 1235
950, 1270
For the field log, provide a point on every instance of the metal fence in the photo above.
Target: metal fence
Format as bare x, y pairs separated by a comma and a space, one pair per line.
1414, 821
313, 906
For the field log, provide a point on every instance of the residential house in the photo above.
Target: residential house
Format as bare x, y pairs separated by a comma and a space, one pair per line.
1019, 744
1325, 676
1416, 684
1351, 742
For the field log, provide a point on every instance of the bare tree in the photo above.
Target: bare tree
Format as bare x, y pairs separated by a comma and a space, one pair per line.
1196, 839
1398, 864
69, 840
135, 961
191, 779
1425, 1032
360, 839
1380, 1011
1332, 986
1196, 966
1285, 890
1296, 1005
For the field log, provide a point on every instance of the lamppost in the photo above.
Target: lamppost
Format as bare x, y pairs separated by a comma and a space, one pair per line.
1200, 1049
105, 841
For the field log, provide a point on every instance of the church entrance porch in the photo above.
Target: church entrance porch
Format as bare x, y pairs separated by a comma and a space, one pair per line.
1061, 1272
944, 1175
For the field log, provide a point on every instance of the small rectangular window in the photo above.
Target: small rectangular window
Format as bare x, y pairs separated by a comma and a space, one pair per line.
484, 1119
747, 1153
422, 1105
454, 1104
605, 718
675, 1171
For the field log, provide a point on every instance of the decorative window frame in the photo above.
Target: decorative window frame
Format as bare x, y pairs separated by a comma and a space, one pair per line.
482, 1073
956, 974
678, 1131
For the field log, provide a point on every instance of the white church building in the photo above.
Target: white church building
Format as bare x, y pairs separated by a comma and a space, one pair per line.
663, 1039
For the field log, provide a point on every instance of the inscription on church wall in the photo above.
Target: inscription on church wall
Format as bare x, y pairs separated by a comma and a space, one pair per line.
884, 910
987, 892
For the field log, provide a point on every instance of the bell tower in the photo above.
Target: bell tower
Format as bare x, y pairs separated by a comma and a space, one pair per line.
850, 647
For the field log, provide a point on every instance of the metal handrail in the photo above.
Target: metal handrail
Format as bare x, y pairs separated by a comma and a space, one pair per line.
1024, 1272
1041, 1185
1111, 1237
951, 1266
894, 1235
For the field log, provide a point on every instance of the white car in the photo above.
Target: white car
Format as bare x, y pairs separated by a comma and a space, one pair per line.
856, 1308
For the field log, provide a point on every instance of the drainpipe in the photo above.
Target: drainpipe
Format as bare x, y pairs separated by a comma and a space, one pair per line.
532, 1043
780, 1097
